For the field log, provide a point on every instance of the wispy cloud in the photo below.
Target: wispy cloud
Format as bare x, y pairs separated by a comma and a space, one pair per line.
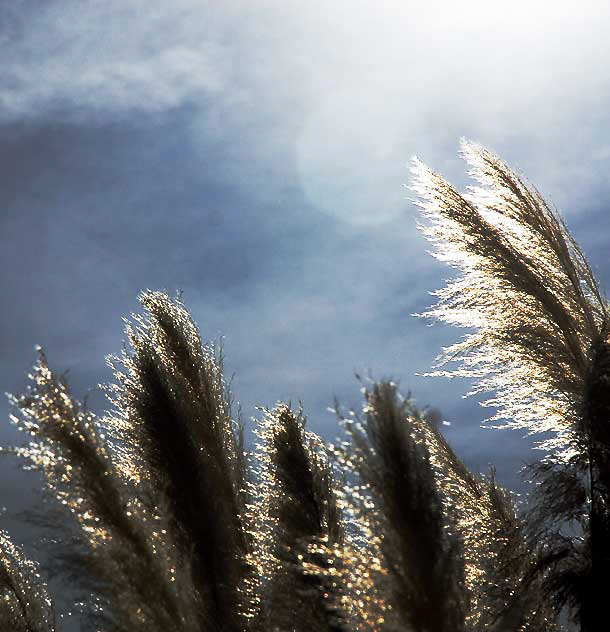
107, 57
347, 92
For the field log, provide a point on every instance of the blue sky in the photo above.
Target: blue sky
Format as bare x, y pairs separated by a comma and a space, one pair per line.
253, 155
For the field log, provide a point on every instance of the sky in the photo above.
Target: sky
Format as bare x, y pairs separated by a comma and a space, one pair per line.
253, 156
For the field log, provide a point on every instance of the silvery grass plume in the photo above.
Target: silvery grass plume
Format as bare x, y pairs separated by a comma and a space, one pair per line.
507, 598
180, 442
417, 565
117, 550
540, 345
298, 525
24, 603
497, 559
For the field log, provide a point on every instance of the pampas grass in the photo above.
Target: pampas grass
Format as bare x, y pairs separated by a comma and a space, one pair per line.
540, 346
118, 549
525, 288
174, 529
169, 525
25, 605
298, 520
422, 578
172, 416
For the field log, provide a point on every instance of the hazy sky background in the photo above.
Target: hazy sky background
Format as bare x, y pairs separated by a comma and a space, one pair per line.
253, 155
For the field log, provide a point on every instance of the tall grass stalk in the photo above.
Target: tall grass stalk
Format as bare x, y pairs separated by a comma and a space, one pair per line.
538, 343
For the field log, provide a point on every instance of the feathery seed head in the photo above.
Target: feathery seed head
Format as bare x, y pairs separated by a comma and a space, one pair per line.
524, 287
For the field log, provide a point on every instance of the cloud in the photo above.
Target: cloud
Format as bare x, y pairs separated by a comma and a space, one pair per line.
106, 57
343, 94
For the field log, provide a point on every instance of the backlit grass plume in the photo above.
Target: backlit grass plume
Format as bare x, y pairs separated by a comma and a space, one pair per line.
414, 492
506, 599
497, 560
422, 566
527, 291
172, 530
298, 521
24, 603
118, 554
173, 418
540, 345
